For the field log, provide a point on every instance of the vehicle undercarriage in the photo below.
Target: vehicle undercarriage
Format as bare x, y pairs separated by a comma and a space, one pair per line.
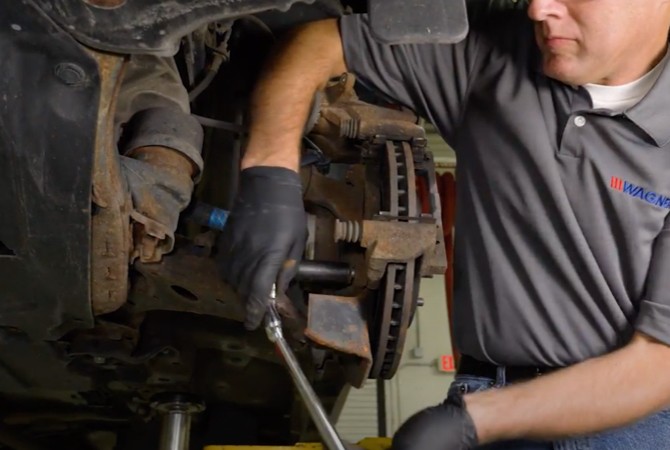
93, 340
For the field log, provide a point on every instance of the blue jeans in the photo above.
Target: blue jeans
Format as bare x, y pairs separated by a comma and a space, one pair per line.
652, 433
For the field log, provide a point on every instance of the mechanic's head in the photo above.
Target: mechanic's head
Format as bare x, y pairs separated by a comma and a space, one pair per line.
609, 42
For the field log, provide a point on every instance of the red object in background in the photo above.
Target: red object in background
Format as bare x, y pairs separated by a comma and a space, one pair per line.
446, 186
447, 364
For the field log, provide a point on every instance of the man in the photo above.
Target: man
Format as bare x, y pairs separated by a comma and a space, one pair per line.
563, 236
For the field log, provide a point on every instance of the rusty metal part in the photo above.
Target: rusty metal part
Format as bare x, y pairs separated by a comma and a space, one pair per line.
342, 89
187, 282
345, 194
159, 193
395, 307
435, 262
339, 323
389, 242
343, 198
344, 117
401, 232
390, 224
401, 180
110, 230
408, 234
396, 235
397, 298
105, 4
175, 162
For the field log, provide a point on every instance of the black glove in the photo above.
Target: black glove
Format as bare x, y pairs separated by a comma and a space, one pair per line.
159, 193
447, 426
264, 237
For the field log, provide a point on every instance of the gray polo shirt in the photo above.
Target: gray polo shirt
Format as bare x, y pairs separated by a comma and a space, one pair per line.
562, 230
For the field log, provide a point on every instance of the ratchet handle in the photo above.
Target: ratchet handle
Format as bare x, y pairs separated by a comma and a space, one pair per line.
273, 325
273, 328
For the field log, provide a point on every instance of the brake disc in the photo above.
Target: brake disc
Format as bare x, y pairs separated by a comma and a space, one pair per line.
398, 293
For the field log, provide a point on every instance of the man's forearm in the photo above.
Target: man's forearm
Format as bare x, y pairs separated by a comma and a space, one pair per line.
598, 394
309, 56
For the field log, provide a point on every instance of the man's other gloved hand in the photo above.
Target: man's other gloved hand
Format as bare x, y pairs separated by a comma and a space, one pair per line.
264, 237
447, 426
160, 185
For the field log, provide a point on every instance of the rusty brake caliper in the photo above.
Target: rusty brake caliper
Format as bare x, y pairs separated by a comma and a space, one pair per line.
400, 233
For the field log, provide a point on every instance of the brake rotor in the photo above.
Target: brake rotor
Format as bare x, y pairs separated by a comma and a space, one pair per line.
397, 298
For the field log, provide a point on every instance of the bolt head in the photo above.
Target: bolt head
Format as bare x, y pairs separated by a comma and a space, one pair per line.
71, 74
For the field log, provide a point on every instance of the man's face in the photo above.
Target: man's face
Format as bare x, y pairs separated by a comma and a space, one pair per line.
600, 41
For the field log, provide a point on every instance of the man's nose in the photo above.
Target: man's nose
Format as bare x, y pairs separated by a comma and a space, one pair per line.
541, 10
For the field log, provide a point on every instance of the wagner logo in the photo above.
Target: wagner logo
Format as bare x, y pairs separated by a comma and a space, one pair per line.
636, 191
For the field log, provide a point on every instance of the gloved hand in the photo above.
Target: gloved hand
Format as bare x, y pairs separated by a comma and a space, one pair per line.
447, 426
160, 184
264, 237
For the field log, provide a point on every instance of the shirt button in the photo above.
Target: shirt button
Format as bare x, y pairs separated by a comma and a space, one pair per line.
580, 121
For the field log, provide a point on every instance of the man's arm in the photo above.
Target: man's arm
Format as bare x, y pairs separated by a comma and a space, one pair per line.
605, 392
310, 55
265, 235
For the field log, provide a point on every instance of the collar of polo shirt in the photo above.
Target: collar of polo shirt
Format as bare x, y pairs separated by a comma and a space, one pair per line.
650, 114
619, 99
